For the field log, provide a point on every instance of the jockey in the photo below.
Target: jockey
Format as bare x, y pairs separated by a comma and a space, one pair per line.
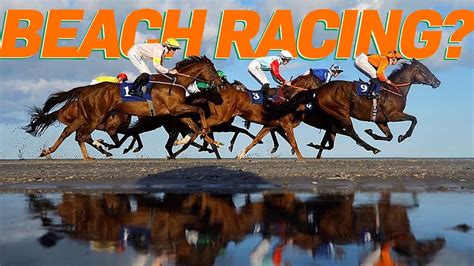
272, 64
374, 66
325, 75
201, 86
121, 77
155, 52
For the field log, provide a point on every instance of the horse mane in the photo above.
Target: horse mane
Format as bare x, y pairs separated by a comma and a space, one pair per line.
238, 85
298, 78
190, 60
399, 70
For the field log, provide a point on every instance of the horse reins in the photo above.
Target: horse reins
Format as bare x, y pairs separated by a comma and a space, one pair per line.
397, 86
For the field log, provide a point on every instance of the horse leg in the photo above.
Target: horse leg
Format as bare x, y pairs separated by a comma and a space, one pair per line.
136, 137
232, 141
344, 119
66, 132
404, 117
384, 128
275, 141
190, 123
98, 146
81, 141
185, 146
214, 147
264, 131
172, 137
328, 137
292, 140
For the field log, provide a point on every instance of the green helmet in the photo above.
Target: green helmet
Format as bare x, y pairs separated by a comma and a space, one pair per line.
221, 74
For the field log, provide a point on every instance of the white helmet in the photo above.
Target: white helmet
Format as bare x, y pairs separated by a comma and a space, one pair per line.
285, 54
336, 68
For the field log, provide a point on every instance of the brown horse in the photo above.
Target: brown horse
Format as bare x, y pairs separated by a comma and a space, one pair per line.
339, 100
287, 119
237, 102
113, 124
96, 101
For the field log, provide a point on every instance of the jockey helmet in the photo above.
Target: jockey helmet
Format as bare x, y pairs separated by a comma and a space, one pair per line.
221, 74
172, 43
122, 76
286, 55
394, 54
336, 68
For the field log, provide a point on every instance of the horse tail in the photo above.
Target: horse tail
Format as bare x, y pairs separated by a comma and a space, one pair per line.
40, 121
62, 96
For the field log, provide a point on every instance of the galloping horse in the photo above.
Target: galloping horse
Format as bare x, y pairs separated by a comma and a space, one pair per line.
237, 102
113, 124
339, 101
96, 101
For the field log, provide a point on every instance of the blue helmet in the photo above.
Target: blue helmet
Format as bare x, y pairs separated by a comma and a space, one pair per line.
336, 68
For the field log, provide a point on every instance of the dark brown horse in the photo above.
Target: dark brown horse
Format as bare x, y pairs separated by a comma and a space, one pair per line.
113, 124
339, 100
96, 101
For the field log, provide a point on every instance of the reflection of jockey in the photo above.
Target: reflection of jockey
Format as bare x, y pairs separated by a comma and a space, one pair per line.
201, 86
325, 75
272, 64
374, 65
121, 77
155, 52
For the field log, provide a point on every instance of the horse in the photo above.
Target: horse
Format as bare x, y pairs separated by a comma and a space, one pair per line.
113, 124
238, 102
285, 118
174, 127
96, 101
339, 100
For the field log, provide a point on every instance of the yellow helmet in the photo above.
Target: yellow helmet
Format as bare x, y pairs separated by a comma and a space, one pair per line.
172, 43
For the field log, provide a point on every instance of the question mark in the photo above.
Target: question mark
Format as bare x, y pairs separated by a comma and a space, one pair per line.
466, 17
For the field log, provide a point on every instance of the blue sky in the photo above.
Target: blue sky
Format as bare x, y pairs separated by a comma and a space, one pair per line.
445, 115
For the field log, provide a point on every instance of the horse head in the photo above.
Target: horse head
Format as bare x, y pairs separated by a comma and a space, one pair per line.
422, 75
200, 68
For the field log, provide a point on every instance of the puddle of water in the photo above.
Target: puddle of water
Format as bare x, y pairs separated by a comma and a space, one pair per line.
239, 229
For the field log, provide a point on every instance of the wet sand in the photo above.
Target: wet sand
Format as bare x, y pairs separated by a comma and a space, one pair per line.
232, 176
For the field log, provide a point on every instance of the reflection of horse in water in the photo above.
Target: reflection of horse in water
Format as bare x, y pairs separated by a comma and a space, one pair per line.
195, 227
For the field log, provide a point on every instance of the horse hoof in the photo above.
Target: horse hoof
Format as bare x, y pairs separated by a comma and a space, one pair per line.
375, 151
260, 142
45, 152
108, 154
136, 150
231, 148
273, 150
293, 152
125, 151
170, 157
368, 131
400, 138
89, 158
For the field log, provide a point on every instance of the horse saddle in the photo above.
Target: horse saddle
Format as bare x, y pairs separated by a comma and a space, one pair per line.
364, 89
126, 97
274, 95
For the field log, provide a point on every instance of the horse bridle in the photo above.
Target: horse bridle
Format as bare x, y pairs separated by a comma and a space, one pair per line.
195, 78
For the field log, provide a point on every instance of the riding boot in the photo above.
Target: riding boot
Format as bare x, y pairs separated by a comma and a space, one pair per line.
138, 83
374, 82
265, 90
